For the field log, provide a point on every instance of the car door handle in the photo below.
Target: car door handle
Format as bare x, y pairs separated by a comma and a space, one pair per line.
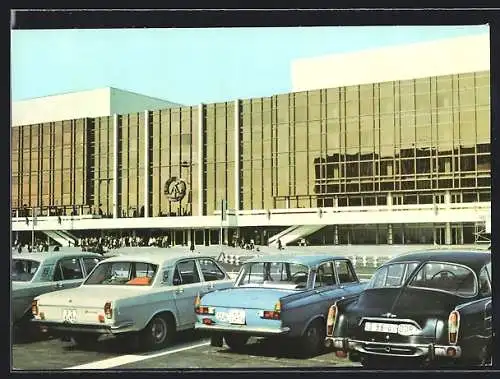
180, 290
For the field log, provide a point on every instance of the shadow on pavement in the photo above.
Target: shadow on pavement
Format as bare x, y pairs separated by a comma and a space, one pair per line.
126, 344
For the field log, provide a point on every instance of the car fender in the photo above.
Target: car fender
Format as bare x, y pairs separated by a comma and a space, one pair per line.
162, 310
311, 320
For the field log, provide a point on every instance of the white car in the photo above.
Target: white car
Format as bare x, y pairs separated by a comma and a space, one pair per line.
33, 274
150, 294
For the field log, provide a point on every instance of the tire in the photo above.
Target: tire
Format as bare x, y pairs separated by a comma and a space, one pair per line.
158, 333
312, 341
85, 339
236, 342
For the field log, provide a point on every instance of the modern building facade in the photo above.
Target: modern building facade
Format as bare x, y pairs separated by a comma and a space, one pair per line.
399, 161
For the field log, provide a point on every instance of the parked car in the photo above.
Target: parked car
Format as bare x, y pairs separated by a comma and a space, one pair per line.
33, 274
422, 308
278, 295
149, 292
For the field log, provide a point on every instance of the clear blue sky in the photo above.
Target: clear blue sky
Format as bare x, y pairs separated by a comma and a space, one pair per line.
189, 66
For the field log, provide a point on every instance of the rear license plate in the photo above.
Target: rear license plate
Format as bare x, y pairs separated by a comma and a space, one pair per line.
233, 316
69, 315
381, 327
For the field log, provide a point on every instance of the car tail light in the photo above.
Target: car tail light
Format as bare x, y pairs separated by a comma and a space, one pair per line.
108, 311
331, 318
453, 326
274, 314
203, 310
34, 307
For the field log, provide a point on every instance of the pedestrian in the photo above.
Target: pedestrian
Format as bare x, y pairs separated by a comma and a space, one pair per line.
279, 244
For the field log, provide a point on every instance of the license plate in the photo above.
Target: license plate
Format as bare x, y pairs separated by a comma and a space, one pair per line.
69, 315
381, 327
233, 316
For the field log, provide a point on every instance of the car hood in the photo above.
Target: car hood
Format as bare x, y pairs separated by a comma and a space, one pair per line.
407, 303
90, 295
241, 297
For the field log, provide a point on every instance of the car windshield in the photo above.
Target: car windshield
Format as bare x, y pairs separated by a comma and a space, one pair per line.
448, 277
123, 273
392, 275
23, 270
273, 274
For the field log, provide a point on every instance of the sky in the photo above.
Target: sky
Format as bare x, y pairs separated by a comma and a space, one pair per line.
190, 66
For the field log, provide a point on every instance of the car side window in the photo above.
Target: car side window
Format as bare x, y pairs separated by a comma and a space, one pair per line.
90, 263
210, 270
186, 272
345, 273
484, 283
325, 275
68, 269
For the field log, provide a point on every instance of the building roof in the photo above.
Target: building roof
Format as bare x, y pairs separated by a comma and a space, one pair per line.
99, 102
401, 62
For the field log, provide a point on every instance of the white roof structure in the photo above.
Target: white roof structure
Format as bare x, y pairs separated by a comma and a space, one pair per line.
402, 62
92, 103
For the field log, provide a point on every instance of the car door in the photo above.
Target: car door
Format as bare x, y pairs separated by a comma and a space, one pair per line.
485, 291
213, 276
68, 273
326, 287
346, 277
187, 283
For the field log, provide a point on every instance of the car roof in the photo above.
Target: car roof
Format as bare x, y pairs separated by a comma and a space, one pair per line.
474, 259
53, 255
159, 256
306, 259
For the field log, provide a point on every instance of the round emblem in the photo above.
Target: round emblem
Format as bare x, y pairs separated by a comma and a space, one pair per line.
175, 189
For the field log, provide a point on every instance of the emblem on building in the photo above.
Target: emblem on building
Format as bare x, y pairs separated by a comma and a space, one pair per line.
175, 189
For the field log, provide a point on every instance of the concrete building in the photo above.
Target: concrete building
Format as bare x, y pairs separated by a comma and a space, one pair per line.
360, 158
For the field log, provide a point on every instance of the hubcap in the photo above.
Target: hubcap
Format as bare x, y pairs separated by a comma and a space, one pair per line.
159, 330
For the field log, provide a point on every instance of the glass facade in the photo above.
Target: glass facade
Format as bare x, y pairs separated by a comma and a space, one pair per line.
348, 146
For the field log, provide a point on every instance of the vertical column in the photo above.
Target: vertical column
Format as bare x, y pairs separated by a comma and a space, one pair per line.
115, 166
146, 163
389, 234
335, 235
236, 154
201, 154
447, 233
389, 200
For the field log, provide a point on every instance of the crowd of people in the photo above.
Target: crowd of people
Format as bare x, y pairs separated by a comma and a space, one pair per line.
103, 244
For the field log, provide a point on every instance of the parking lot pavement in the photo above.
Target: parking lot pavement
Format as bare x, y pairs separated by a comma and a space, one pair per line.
189, 351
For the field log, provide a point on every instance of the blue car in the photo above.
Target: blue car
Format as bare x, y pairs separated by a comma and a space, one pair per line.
281, 295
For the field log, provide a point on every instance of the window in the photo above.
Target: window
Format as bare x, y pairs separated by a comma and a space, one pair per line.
345, 273
447, 277
186, 272
123, 273
325, 275
484, 283
90, 263
391, 275
23, 270
211, 270
68, 269
274, 274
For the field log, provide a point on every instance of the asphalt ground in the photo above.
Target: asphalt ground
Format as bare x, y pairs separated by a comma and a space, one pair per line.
188, 351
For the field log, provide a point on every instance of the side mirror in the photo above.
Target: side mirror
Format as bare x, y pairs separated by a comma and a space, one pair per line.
176, 281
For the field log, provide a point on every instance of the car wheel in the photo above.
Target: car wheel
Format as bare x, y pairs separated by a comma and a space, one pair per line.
158, 333
313, 338
85, 339
236, 341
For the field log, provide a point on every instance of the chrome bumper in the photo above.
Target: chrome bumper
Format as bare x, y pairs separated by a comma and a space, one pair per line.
243, 329
394, 349
87, 328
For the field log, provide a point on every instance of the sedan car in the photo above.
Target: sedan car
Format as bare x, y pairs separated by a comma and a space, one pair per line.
148, 294
36, 273
422, 308
283, 295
